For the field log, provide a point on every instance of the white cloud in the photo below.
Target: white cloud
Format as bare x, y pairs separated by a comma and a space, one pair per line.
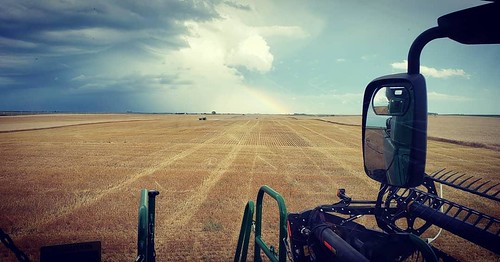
443, 73
400, 65
252, 53
432, 72
340, 60
228, 42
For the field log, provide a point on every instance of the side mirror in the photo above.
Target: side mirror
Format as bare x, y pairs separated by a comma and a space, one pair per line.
395, 106
395, 129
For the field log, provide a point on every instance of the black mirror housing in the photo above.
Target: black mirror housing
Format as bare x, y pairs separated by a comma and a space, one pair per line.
476, 25
394, 137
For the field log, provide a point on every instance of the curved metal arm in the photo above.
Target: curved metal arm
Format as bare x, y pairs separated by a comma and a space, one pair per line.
417, 46
259, 242
243, 239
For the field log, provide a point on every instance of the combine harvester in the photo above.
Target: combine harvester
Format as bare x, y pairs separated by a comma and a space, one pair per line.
394, 139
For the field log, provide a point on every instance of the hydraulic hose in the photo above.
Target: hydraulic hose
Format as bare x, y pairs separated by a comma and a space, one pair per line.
335, 244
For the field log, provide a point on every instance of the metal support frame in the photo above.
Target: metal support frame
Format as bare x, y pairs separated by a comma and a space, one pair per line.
259, 242
246, 227
417, 46
146, 227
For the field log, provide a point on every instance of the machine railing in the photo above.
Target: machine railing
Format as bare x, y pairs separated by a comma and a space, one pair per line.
246, 227
146, 227
260, 244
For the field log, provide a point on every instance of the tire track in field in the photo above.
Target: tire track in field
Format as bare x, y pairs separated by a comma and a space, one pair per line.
71, 125
311, 159
184, 213
94, 198
281, 143
326, 137
327, 154
308, 142
321, 150
251, 175
346, 167
265, 161
298, 134
449, 154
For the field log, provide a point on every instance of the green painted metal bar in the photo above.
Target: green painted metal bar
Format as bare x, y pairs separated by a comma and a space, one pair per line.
146, 227
246, 227
142, 227
259, 243
151, 255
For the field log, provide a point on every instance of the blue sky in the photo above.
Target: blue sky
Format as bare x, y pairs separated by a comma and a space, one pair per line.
231, 56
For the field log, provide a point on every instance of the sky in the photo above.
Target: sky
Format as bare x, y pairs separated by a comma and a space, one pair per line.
261, 56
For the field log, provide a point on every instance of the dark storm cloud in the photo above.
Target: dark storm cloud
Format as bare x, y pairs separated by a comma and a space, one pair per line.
26, 20
61, 46
68, 26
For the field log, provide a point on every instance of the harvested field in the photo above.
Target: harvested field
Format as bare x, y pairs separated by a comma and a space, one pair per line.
76, 178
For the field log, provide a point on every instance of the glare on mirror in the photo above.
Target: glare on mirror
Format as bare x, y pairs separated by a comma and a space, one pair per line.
375, 132
390, 101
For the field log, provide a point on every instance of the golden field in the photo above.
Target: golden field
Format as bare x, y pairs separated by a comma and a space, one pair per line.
76, 178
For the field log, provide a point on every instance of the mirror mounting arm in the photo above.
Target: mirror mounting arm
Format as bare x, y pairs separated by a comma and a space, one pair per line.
418, 45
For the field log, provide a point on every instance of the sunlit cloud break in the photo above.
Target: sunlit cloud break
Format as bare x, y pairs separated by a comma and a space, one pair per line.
433, 72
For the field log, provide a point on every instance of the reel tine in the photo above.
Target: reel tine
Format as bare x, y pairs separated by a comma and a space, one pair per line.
478, 187
456, 178
472, 183
450, 176
444, 174
491, 187
465, 180
437, 172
